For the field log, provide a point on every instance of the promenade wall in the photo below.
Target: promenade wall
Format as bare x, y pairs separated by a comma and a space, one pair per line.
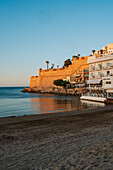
46, 77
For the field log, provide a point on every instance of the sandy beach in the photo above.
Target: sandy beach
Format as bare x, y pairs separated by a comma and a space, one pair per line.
81, 139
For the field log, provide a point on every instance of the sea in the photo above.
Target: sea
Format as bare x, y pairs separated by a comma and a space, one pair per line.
15, 103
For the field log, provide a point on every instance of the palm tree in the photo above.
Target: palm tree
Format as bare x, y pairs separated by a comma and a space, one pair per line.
78, 55
74, 56
47, 62
67, 63
57, 66
93, 51
52, 66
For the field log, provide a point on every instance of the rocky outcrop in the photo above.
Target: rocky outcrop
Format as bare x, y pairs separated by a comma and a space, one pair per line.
30, 90
25, 90
54, 90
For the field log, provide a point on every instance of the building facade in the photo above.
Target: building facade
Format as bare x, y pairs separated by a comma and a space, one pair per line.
78, 71
80, 77
101, 72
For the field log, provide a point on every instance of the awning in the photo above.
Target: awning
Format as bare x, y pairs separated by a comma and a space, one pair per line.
80, 85
109, 91
77, 75
97, 81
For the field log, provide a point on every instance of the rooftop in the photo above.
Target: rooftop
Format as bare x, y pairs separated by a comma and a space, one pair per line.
102, 57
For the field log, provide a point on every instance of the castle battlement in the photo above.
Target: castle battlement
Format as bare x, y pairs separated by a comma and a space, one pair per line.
79, 69
46, 77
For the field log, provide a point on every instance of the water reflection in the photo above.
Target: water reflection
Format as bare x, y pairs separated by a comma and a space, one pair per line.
51, 103
92, 104
15, 103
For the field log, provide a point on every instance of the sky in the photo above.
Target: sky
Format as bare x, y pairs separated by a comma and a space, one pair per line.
34, 31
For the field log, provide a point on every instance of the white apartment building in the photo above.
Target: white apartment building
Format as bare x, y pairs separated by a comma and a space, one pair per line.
101, 73
105, 50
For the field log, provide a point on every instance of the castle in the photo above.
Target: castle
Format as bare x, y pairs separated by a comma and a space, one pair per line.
77, 72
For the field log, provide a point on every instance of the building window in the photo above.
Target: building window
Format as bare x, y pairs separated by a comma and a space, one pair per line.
99, 66
108, 82
108, 73
92, 75
108, 64
110, 95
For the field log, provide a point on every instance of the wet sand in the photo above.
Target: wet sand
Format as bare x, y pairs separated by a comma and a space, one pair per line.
81, 139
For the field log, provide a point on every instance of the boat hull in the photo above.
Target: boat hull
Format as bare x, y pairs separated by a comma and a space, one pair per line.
91, 98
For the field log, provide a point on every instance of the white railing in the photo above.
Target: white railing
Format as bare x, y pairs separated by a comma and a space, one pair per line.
92, 77
91, 69
107, 67
102, 68
94, 88
98, 68
107, 75
93, 59
98, 76
93, 94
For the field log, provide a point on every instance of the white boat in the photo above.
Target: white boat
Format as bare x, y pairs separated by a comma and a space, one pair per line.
92, 103
98, 96
93, 98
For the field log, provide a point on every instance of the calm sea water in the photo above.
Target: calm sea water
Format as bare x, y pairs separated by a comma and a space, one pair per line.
15, 103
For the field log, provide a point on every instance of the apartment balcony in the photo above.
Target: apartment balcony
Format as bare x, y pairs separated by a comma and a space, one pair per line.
92, 69
107, 67
99, 76
102, 75
98, 68
103, 57
109, 75
95, 88
92, 77
104, 68
101, 68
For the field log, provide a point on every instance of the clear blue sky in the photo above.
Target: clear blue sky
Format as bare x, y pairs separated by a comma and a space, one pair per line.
33, 31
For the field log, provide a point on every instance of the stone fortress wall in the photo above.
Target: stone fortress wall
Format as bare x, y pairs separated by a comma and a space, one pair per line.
79, 67
34, 80
46, 77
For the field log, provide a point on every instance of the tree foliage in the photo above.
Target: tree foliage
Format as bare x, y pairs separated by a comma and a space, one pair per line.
78, 55
67, 63
93, 51
52, 66
60, 82
74, 56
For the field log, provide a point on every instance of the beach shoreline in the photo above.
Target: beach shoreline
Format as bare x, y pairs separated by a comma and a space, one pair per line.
52, 114
63, 140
